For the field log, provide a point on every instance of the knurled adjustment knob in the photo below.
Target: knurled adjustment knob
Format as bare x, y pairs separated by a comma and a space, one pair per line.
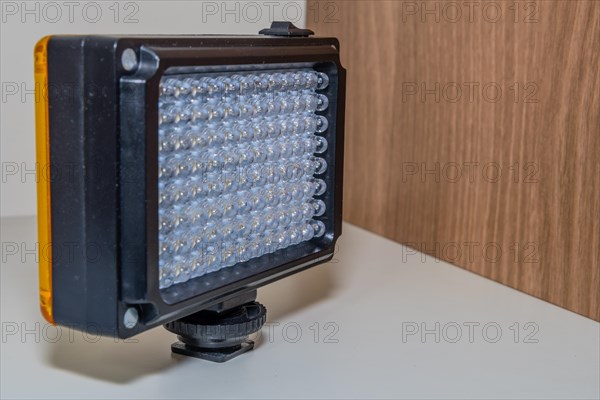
218, 336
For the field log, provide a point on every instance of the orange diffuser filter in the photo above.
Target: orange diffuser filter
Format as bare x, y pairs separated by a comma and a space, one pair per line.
43, 182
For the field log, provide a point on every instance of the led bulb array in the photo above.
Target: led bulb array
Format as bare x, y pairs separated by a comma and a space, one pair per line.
198, 86
239, 168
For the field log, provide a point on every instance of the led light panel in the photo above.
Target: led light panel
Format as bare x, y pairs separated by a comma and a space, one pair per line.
209, 166
239, 166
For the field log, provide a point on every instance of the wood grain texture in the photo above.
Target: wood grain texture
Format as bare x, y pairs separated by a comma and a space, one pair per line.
477, 138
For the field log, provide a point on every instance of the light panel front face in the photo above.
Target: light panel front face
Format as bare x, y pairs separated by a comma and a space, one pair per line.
240, 167
210, 168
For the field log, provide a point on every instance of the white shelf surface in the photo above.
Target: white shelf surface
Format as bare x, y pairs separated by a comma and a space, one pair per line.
364, 306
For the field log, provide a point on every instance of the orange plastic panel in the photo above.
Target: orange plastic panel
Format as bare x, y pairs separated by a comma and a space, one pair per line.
43, 177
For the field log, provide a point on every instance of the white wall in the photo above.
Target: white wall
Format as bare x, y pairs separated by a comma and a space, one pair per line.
23, 23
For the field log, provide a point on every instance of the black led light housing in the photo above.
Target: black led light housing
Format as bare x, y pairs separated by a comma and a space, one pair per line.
133, 129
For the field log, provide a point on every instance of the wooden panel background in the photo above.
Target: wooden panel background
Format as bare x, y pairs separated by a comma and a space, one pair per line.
501, 178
